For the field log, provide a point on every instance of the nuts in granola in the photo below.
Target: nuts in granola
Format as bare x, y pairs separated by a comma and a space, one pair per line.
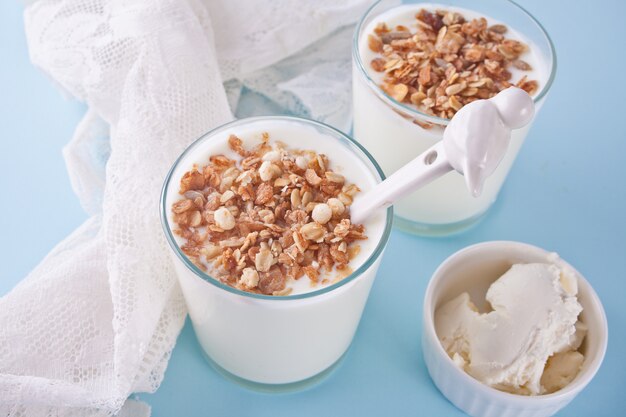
224, 219
322, 213
271, 216
302, 162
336, 206
264, 259
271, 156
447, 62
268, 171
312, 177
249, 278
313, 231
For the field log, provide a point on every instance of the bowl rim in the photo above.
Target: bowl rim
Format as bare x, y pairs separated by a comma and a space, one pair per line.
415, 112
342, 137
569, 391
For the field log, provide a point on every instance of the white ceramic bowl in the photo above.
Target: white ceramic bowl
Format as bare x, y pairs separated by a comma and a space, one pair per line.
473, 269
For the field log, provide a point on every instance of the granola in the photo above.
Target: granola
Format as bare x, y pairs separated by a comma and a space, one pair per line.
269, 216
447, 62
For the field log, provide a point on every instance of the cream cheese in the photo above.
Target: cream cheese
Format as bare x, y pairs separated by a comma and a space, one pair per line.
534, 318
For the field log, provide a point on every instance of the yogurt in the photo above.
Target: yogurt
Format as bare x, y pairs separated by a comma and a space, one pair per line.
278, 340
393, 133
533, 321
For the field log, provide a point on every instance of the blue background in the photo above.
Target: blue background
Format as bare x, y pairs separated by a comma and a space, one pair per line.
566, 193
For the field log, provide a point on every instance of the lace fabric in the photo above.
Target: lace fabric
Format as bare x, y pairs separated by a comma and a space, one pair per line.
98, 318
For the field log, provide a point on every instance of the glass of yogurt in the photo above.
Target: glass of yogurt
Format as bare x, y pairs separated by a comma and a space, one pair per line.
401, 107
291, 339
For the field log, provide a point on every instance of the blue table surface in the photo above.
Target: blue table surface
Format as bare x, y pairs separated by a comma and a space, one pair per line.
566, 193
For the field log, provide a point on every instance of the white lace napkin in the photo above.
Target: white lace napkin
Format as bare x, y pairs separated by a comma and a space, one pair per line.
98, 318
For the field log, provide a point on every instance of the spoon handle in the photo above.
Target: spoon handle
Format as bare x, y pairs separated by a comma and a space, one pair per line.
426, 167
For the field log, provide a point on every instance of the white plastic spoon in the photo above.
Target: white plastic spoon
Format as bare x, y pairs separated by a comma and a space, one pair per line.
474, 143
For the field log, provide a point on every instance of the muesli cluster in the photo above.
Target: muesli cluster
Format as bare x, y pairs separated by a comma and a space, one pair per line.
269, 216
447, 62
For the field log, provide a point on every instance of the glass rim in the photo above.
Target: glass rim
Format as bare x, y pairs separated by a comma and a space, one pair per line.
428, 117
375, 255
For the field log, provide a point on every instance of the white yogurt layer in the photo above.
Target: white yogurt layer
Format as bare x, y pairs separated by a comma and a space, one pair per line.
528, 343
295, 136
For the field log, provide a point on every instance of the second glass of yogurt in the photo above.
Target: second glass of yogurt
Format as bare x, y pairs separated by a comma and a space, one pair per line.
254, 326
415, 64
